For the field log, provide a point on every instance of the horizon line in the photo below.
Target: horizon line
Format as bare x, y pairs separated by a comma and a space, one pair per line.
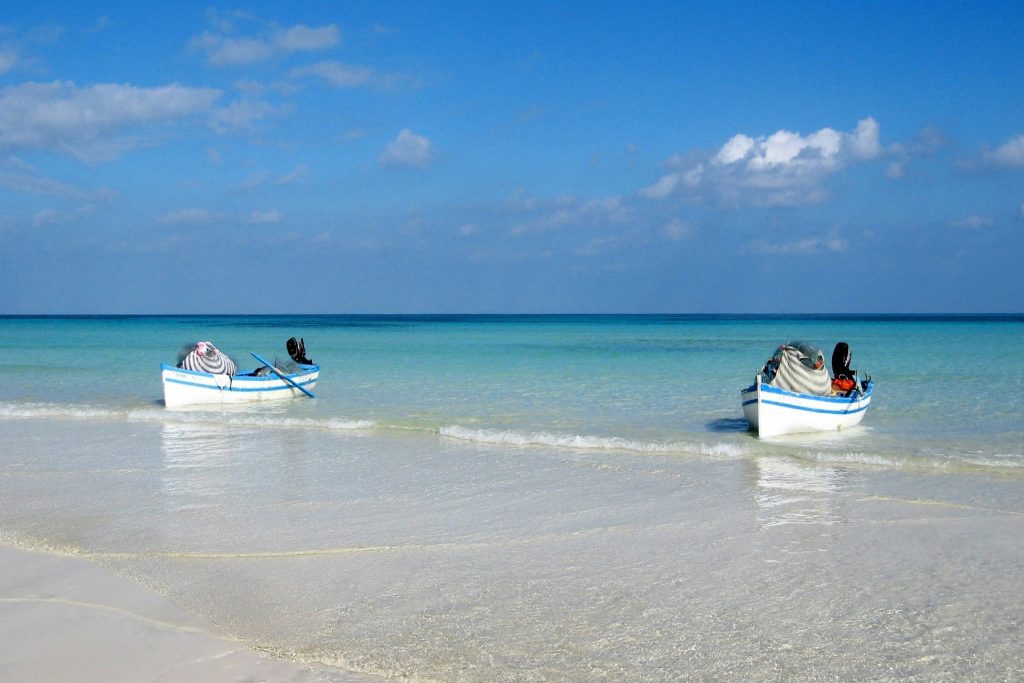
533, 314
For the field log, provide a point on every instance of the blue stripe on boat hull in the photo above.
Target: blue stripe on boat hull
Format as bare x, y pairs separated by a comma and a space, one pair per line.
230, 387
810, 410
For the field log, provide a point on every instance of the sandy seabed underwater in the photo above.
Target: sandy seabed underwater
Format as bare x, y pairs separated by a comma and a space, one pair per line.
555, 498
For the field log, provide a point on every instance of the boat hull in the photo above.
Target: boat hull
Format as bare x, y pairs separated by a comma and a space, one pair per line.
775, 412
186, 387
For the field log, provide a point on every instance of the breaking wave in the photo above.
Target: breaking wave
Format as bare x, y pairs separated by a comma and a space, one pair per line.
587, 442
28, 411
247, 418
913, 461
885, 455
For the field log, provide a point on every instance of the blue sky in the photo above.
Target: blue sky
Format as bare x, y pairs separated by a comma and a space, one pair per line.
532, 157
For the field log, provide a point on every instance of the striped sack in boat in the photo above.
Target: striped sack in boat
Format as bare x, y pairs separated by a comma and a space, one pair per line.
794, 375
206, 358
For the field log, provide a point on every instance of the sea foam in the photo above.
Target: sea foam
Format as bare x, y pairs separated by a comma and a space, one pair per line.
219, 416
510, 437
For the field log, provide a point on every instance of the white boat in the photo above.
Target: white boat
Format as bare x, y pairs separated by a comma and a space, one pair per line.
773, 411
188, 387
205, 375
794, 393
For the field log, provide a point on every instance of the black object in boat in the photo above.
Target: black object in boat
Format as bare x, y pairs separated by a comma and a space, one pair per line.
841, 358
297, 350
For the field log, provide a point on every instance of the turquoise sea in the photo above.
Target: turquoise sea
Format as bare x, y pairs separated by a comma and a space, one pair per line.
493, 498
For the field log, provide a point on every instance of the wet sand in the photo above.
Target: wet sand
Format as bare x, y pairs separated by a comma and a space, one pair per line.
64, 618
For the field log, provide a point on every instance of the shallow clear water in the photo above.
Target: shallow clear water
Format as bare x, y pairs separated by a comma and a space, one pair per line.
555, 498
948, 390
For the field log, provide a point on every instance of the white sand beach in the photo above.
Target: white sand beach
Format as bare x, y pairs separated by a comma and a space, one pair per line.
64, 618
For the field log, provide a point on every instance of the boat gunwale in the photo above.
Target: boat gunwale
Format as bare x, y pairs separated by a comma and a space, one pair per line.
306, 370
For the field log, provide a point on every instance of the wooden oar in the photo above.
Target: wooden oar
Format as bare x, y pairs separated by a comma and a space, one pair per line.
283, 376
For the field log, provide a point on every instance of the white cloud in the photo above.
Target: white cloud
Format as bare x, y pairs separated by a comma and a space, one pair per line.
973, 222
227, 20
896, 169
35, 184
17, 176
354, 134
253, 89
201, 217
88, 122
254, 180
337, 74
189, 217
46, 217
677, 229
300, 173
239, 115
98, 26
227, 50
8, 59
469, 230
242, 115
408, 149
52, 216
663, 188
1010, 154
264, 217
600, 245
803, 246
301, 38
902, 154
808, 245
689, 178
567, 212
781, 168
835, 244
521, 202
382, 30
224, 51
736, 149
258, 179
864, 143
